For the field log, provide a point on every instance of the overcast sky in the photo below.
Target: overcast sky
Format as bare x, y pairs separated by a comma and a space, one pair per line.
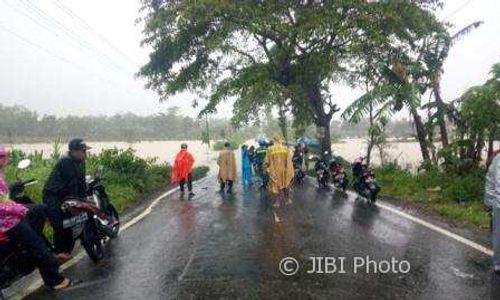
80, 56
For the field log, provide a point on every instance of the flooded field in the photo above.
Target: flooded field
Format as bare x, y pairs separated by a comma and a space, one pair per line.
165, 151
406, 153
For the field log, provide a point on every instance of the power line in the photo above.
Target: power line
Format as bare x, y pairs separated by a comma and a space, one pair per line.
61, 58
458, 9
46, 26
41, 48
38, 22
54, 23
92, 30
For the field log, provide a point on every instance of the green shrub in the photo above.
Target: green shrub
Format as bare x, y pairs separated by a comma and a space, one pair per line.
235, 141
466, 189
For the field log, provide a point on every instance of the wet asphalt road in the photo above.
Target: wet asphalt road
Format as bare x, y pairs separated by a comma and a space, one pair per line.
222, 247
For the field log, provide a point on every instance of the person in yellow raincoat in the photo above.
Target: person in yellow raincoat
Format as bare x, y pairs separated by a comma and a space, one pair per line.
279, 166
227, 169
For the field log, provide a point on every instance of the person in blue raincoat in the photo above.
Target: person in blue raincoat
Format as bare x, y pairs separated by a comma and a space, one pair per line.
246, 166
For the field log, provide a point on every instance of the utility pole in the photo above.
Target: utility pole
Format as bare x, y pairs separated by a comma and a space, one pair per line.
208, 132
207, 137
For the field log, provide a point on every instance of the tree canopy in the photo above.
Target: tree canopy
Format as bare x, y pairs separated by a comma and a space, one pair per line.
259, 52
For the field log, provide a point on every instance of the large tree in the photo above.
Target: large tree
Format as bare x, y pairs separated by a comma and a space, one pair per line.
251, 49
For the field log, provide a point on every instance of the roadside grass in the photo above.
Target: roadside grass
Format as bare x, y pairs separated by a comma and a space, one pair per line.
452, 196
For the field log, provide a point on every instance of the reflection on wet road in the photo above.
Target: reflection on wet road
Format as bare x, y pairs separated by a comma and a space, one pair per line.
219, 246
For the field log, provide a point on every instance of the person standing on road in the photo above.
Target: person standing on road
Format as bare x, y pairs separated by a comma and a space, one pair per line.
246, 166
251, 155
227, 168
279, 166
181, 171
492, 200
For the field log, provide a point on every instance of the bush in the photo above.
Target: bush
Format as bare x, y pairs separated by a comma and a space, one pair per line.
466, 189
123, 166
234, 140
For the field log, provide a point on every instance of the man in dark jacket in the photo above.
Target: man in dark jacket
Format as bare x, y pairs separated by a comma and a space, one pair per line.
67, 180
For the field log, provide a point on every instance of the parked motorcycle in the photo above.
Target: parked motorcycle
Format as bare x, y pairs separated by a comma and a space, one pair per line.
93, 220
15, 262
16, 190
366, 185
322, 175
298, 172
339, 176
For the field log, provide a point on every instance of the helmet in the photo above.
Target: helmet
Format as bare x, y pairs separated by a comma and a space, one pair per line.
77, 144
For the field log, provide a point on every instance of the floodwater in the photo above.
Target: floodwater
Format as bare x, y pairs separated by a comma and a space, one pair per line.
165, 151
407, 154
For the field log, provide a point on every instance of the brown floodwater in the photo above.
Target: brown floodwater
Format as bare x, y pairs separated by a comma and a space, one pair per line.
407, 154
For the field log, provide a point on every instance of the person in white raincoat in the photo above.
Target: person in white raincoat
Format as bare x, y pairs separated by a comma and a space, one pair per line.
492, 200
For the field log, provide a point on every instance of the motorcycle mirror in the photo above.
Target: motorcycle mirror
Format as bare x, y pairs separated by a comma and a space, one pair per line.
23, 164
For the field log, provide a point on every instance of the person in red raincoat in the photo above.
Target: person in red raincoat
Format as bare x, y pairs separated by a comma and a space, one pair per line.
181, 171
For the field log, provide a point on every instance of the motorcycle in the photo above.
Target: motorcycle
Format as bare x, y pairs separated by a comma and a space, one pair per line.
299, 174
15, 262
16, 190
94, 220
340, 180
367, 185
322, 175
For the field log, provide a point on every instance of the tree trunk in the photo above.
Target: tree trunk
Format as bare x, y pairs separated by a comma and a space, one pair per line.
430, 144
324, 138
322, 119
441, 119
491, 141
382, 155
479, 149
421, 136
282, 122
371, 137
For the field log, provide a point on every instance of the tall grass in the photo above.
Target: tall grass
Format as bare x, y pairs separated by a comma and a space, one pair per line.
455, 196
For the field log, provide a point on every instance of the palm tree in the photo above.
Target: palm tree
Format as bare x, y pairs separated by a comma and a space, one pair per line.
438, 50
394, 92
